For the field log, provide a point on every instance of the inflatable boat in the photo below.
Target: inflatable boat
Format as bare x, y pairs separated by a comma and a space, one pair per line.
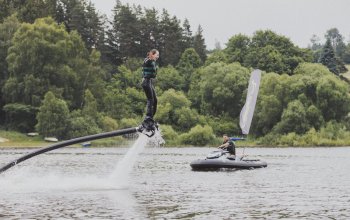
219, 159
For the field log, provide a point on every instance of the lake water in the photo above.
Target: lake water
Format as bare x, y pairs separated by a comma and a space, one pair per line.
76, 183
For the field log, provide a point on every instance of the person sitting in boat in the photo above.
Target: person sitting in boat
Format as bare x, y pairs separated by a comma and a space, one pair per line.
228, 145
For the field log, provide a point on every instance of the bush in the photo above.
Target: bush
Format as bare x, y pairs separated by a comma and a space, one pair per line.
290, 139
225, 125
128, 123
198, 136
53, 117
82, 126
109, 124
168, 132
271, 139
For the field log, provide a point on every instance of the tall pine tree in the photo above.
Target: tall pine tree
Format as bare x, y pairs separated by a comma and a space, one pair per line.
199, 44
328, 57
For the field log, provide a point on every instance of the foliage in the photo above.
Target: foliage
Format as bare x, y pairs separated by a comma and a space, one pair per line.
92, 72
199, 44
332, 92
170, 78
135, 30
237, 48
7, 30
198, 136
128, 122
267, 51
20, 117
53, 117
224, 125
81, 125
109, 124
216, 57
221, 89
174, 108
328, 58
60, 62
332, 134
168, 133
293, 119
189, 61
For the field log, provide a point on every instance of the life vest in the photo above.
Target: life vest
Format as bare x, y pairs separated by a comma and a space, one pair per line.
149, 68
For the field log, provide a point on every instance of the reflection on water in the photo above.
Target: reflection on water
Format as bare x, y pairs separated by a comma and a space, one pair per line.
70, 183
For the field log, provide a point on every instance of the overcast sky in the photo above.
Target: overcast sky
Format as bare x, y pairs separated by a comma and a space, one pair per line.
221, 19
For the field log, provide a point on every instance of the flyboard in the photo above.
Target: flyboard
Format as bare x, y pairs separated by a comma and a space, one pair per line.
147, 127
219, 159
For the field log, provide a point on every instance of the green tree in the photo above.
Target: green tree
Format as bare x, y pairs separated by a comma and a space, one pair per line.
269, 111
237, 48
346, 56
216, 57
222, 88
176, 98
198, 136
27, 11
7, 30
189, 61
20, 117
150, 31
5, 10
314, 117
90, 106
125, 78
199, 44
187, 39
45, 57
337, 42
332, 98
275, 53
169, 78
53, 117
293, 119
174, 109
170, 39
80, 125
316, 47
185, 118
126, 30
116, 104
273, 98
328, 58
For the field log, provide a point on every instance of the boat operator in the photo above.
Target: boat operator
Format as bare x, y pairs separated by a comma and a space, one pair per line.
228, 145
149, 72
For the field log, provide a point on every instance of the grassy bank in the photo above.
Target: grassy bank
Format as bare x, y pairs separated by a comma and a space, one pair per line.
13, 139
310, 139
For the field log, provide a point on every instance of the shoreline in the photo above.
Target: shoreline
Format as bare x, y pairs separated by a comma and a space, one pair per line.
15, 140
22, 145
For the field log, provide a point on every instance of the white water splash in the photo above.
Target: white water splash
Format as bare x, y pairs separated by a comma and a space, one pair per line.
25, 179
120, 175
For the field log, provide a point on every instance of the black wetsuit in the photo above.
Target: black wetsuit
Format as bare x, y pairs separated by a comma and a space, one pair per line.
231, 148
149, 71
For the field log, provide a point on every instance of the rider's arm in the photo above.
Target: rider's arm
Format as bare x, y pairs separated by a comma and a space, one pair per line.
224, 145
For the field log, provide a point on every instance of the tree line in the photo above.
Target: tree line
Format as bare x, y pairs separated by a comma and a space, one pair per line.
67, 71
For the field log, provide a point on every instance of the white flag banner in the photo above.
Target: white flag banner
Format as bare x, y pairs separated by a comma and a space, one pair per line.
247, 112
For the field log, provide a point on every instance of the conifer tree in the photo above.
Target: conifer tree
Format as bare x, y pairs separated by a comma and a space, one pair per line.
199, 44
328, 57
